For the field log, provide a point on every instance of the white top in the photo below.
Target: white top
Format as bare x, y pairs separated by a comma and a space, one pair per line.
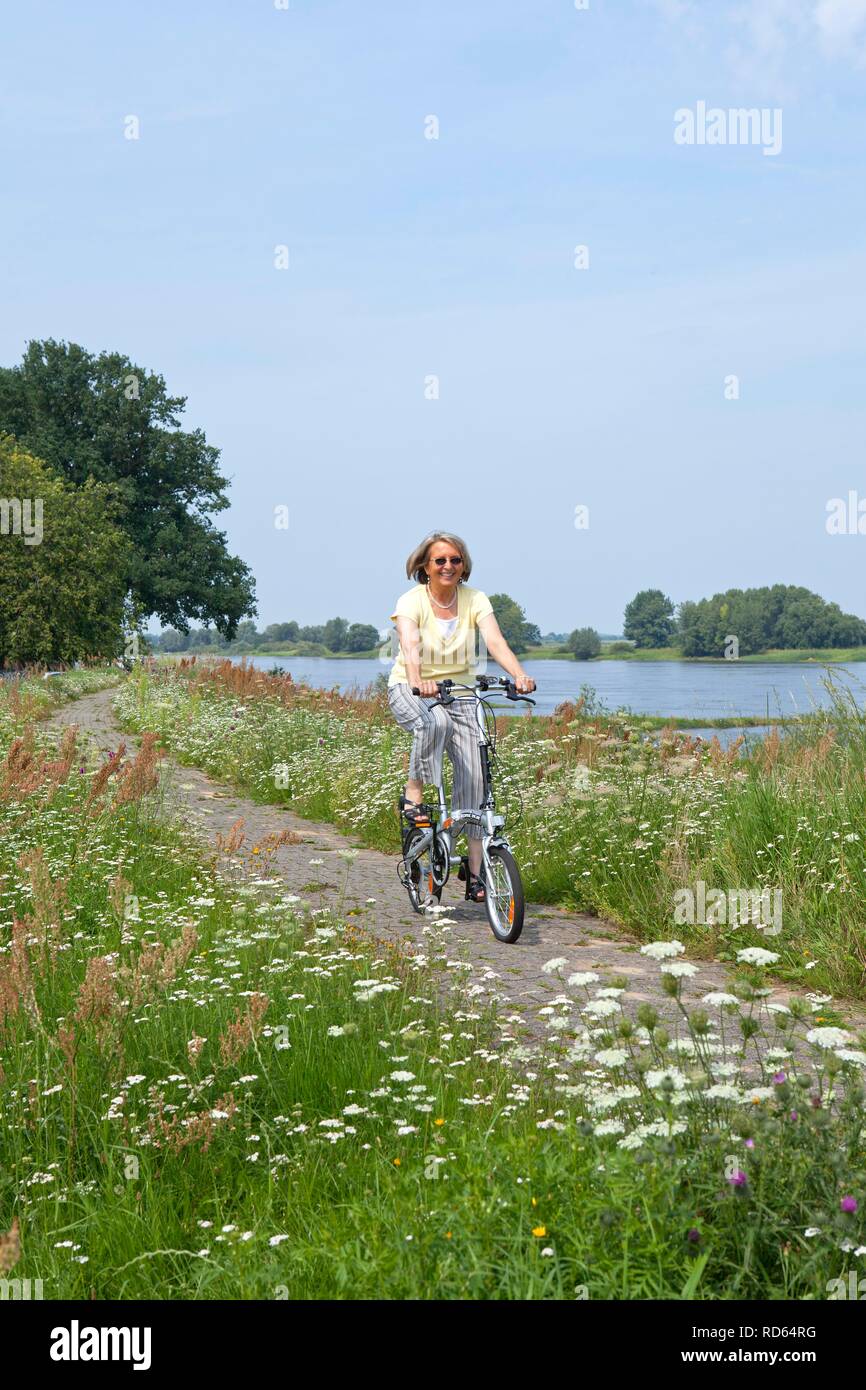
447, 625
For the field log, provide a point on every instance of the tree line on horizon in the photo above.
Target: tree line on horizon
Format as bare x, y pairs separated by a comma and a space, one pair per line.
775, 617
336, 635
106, 508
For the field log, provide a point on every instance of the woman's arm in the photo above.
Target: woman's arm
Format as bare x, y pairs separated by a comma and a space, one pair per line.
410, 645
502, 653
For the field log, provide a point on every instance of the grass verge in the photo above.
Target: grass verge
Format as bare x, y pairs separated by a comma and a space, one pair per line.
210, 1090
602, 818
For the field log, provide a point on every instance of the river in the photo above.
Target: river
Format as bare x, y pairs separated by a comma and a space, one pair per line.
686, 689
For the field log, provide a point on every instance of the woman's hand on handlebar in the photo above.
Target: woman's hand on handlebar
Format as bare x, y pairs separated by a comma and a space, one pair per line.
524, 683
428, 687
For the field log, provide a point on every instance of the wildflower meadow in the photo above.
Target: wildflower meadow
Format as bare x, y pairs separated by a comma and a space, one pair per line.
605, 816
213, 1088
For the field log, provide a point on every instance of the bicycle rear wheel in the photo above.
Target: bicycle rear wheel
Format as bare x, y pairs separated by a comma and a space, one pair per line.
420, 880
503, 897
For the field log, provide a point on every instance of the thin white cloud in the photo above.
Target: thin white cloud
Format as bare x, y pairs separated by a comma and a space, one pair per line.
772, 39
841, 24
768, 42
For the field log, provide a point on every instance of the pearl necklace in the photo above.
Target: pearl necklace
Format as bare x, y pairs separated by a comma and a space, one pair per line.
444, 605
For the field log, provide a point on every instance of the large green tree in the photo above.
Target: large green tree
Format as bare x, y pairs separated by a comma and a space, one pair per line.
649, 619
103, 417
518, 633
63, 558
248, 634
361, 637
281, 632
584, 643
334, 635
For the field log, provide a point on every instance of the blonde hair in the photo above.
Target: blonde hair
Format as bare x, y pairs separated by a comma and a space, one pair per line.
418, 559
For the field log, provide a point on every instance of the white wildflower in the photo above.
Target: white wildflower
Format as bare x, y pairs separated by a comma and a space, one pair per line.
680, 969
655, 1078
612, 1057
663, 950
829, 1037
756, 955
551, 967
609, 1127
601, 1008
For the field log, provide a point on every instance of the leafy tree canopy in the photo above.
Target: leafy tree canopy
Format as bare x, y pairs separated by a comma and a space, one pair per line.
780, 616
281, 632
361, 637
106, 419
518, 633
584, 643
649, 619
63, 557
334, 634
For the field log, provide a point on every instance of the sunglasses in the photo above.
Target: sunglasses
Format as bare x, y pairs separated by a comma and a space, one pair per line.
443, 559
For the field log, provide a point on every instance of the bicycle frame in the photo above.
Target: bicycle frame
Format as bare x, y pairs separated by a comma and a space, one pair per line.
450, 824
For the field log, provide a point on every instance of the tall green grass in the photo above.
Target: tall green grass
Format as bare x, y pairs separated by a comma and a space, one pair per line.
603, 818
280, 1107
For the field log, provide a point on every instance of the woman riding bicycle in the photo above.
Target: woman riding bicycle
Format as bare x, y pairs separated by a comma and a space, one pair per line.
437, 622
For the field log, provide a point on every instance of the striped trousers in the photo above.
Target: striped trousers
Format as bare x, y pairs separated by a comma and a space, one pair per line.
451, 729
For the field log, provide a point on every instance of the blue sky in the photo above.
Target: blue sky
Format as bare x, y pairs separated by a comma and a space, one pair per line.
410, 257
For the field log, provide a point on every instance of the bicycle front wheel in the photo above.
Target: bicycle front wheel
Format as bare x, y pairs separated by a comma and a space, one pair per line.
503, 897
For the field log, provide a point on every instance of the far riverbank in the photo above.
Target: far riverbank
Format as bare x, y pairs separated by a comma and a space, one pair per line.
820, 656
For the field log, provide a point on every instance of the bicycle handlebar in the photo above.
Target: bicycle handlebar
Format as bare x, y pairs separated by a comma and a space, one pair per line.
483, 683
